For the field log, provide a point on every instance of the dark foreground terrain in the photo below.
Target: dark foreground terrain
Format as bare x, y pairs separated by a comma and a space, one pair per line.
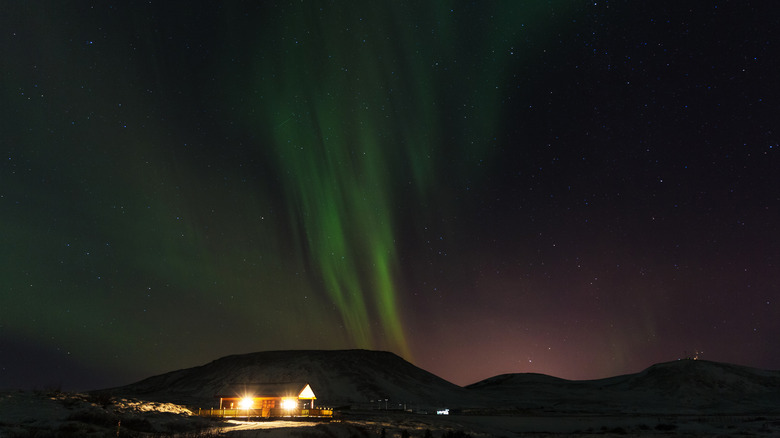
377, 394
56, 414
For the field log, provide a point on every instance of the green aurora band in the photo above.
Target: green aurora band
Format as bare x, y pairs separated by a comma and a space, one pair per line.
356, 99
258, 192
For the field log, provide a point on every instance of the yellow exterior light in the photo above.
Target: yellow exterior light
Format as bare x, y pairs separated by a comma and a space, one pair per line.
289, 404
246, 403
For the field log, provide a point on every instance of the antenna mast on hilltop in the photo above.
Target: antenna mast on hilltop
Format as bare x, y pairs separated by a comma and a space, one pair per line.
696, 355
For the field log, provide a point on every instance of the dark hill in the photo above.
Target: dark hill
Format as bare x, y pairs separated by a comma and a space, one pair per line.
337, 377
699, 378
684, 386
361, 378
517, 380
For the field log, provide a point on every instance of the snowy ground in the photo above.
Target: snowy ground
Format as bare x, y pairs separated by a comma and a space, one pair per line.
57, 414
396, 425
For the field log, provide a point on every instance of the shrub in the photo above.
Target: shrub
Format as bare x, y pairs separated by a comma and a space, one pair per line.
456, 434
73, 429
70, 402
101, 398
137, 424
95, 417
665, 427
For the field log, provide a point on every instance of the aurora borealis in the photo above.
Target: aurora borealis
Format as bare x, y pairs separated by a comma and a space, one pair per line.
580, 189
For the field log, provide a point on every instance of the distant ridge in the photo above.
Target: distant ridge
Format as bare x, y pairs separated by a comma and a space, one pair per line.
701, 377
516, 379
683, 386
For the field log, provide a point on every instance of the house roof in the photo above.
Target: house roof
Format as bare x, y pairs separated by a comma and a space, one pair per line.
288, 389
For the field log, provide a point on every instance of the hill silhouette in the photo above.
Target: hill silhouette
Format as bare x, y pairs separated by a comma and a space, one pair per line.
683, 386
338, 377
377, 379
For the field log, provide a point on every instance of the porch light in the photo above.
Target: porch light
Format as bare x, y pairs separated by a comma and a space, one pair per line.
246, 403
289, 404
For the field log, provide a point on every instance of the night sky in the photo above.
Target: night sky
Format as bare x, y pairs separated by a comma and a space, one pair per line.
580, 189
